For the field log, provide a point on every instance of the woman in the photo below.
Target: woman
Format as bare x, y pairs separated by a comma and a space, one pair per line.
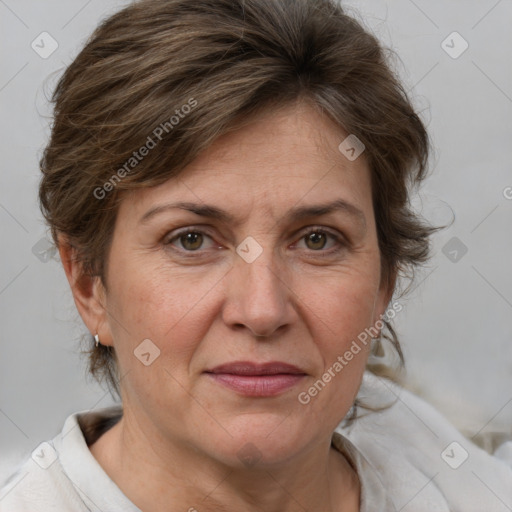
227, 185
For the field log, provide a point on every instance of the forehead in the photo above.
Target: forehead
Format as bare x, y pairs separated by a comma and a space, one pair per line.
277, 160
294, 138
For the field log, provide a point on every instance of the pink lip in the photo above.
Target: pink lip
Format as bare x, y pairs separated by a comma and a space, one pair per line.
256, 379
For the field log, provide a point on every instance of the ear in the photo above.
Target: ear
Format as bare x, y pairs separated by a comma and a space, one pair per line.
88, 293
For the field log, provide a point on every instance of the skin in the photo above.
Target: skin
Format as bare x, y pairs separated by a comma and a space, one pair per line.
177, 443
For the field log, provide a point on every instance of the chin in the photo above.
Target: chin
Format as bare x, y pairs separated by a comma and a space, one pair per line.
261, 441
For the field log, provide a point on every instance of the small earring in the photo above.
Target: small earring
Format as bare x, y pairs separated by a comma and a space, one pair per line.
97, 340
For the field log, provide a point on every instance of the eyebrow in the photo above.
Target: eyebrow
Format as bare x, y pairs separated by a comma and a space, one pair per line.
294, 214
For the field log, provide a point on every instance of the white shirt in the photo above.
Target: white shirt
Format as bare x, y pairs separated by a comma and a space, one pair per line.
408, 458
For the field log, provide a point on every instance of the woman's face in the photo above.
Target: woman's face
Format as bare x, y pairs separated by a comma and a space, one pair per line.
229, 306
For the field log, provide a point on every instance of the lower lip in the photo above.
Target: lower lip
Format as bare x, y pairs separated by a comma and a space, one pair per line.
258, 385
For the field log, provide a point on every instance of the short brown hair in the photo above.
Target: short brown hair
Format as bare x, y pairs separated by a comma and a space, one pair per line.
227, 60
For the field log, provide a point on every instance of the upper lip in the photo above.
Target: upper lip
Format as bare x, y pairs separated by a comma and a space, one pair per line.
252, 368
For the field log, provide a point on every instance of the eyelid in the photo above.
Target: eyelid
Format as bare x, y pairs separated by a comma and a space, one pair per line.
183, 231
341, 242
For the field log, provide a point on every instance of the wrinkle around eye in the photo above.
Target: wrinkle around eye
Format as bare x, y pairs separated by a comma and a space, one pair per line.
339, 242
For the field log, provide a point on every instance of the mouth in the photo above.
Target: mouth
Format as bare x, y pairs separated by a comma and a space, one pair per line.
257, 379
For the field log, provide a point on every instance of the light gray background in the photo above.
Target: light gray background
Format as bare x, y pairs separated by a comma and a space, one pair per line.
455, 327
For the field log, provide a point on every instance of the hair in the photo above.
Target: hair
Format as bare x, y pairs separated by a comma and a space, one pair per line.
171, 76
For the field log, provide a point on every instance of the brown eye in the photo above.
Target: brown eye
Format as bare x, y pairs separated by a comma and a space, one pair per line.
322, 242
191, 241
316, 240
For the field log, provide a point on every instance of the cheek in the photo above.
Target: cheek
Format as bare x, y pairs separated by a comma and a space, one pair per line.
153, 305
341, 339
342, 303
340, 313
340, 310
159, 303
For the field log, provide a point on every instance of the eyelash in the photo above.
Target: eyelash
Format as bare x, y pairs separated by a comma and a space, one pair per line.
341, 243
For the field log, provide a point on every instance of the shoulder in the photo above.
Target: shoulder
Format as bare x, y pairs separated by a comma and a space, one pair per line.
39, 484
420, 457
56, 474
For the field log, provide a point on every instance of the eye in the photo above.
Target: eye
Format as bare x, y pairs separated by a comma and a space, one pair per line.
316, 240
190, 239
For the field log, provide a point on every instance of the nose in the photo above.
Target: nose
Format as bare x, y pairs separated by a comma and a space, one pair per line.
259, 297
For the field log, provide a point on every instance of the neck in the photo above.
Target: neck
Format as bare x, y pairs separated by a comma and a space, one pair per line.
174, 476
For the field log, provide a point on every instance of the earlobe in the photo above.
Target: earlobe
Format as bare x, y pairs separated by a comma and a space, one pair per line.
88, 293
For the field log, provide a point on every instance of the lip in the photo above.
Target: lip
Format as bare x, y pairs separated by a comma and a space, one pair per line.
257, 379
249, 368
